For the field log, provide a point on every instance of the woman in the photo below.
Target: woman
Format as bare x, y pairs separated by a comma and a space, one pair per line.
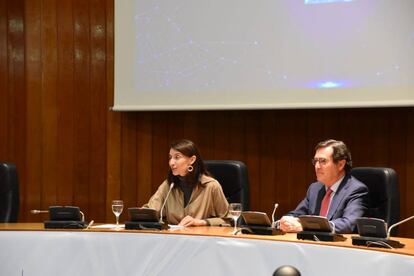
196, 198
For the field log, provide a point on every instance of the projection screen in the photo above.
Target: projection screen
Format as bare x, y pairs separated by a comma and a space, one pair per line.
263, 54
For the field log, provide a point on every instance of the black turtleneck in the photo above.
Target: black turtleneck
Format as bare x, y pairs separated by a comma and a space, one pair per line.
187, 190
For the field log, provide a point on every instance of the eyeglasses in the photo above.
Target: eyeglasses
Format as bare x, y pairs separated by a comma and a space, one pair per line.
322, 161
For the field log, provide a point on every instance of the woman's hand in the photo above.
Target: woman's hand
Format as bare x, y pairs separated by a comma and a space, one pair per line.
190, 221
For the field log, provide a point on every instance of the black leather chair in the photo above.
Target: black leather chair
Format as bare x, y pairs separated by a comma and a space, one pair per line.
9, 193
232, 176
384, 193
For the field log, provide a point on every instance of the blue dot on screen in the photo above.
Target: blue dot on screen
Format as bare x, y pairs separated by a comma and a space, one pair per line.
308, 2
329, 84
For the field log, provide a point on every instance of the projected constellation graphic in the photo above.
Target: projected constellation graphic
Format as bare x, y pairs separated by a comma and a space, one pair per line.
184, 58
170, 52
187, 58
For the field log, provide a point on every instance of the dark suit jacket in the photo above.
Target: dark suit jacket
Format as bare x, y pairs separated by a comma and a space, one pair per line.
349, 203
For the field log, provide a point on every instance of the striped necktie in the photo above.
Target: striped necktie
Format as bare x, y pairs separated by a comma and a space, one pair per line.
325, 203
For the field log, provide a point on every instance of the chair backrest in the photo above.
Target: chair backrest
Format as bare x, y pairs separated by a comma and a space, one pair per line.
9, 193
384, 193
232, 175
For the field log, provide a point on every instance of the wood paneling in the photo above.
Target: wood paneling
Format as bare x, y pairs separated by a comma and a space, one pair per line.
3, 77
65, 98
12, 85
56, 87
32, 187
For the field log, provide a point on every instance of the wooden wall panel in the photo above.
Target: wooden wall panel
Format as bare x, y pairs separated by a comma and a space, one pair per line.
407, 181
65, 102
129, 160
113, 119
98, 108
12, 85
31, 190
268, 124
83, 138
15, 97
143, 165
4, 70
253, 155
56, 76
48, 103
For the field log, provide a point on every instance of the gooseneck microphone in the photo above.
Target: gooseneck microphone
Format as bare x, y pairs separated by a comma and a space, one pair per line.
273, 215
396, 224
35, 212
63, 217
165, 201
378, 236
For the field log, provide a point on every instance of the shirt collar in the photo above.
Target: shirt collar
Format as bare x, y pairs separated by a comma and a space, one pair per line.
335, 186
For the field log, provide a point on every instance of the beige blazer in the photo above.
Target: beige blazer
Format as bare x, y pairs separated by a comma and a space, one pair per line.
207, 202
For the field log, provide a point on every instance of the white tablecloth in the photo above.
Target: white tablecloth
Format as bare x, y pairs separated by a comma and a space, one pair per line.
108, 253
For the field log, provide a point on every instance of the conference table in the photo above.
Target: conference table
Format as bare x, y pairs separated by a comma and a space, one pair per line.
29, 249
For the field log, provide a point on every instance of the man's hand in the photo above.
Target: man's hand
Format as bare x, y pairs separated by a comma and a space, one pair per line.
190, 221
290, 224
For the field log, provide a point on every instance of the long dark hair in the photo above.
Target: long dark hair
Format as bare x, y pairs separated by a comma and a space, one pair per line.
188, 148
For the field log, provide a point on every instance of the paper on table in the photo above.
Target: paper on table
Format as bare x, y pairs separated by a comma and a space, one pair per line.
175, 227
107, 226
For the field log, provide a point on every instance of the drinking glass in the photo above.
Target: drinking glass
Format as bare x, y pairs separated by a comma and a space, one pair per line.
235, 210
117, 207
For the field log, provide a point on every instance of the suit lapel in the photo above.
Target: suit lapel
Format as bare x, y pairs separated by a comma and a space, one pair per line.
338, 197
318, 201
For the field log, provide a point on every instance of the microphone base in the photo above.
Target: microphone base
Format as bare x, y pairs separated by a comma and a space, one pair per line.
64, 224
376, 242
320, 236
261, 230
145, 225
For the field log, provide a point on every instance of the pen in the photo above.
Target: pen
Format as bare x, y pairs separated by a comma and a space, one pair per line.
90, 224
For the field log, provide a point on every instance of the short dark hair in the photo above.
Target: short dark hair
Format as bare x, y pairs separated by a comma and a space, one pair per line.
340, 152
188, 148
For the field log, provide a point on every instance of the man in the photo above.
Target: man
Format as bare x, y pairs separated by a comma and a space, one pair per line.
336, 195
